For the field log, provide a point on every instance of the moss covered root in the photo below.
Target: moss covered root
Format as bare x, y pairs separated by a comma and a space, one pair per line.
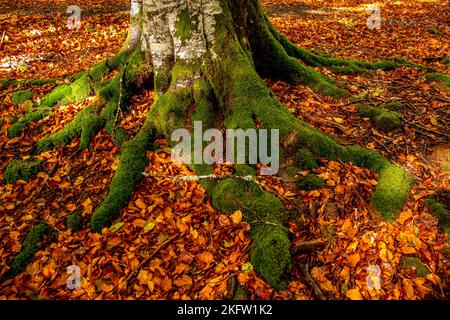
75, 221
82, 86
415, 264
5, 82
270, 251
272, 60
439, 206
85, 125
21, 96
317, 58
133, 161
311, 182
76, 92
441, 78
305, 160
29, 247
112, 98
385, 120
22, 170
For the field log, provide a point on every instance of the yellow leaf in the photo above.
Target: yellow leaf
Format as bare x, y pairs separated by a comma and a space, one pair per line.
354, 294
71, 207
247, 268
236, 217
116, 227
149, 226
143, 277
182, 226
345, 274
339, 120
185, 280
87, 205
433, 121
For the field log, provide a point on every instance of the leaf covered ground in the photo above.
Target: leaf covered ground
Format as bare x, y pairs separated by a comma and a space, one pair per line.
170, 243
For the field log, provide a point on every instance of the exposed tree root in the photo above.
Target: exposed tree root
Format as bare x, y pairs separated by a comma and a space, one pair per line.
131, 66
133, 161
5, 82
439, 205
30, 246
22, 170
322, 59
272, 59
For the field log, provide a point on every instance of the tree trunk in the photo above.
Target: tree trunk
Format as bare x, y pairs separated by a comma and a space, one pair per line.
205, 59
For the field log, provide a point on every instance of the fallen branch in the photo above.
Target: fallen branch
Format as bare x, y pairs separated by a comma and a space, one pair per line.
309, 245
198, 178
304, 268
426, 131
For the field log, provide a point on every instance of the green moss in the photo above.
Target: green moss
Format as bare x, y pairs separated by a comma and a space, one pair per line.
305, 160
350, 69
170, 110
318, 59
98, 71
22, 170
205, 99
311, 182
392, 191
384, 120
185, 25
4, 82
133, 161
162, 82
440, 77
387, 121
85, 125
272, 60
120, 136
439, 205
435, 32
393, 106
446, 61
270, 249
291, 170
270, 255
79, 89
74, 221
413, 263
21, 96
34, 115
29, 247
76, 92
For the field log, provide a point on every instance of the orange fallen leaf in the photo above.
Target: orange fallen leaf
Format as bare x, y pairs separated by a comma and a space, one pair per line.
354, 294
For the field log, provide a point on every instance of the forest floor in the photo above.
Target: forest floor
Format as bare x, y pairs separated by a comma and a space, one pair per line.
205, 251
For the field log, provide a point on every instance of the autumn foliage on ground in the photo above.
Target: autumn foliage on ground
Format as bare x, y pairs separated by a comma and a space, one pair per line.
169, 242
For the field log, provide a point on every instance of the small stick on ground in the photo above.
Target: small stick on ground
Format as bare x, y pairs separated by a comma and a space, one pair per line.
304, 268
309, 245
